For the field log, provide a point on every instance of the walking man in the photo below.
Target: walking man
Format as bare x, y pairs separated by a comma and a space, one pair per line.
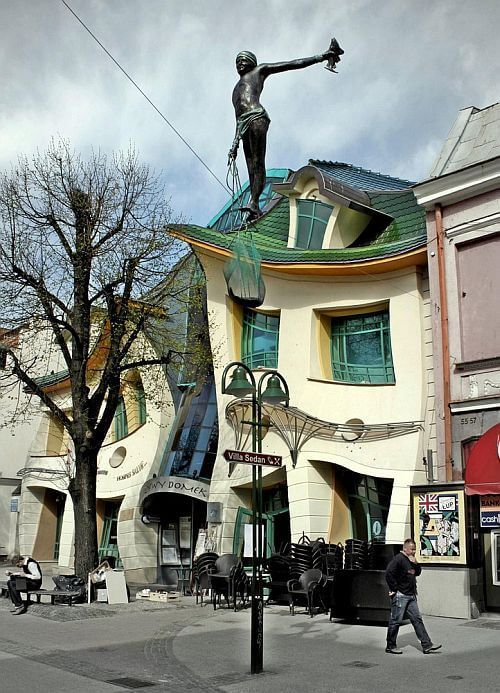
32, 572
401, 577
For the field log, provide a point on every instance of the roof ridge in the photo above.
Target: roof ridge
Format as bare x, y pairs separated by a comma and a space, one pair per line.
312, 162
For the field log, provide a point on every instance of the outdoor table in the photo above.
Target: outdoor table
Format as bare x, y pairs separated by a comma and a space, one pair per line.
360, 595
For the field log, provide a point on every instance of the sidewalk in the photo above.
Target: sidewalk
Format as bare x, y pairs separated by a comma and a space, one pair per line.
179, 646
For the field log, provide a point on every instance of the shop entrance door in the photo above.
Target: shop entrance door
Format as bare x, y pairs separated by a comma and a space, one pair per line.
276, 525
176, 552
491, 545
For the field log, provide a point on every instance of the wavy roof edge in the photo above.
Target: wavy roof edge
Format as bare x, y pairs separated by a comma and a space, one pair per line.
404, 230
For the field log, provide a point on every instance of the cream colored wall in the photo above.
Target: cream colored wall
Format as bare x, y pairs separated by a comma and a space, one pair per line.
409, 399
144, 446
31, 504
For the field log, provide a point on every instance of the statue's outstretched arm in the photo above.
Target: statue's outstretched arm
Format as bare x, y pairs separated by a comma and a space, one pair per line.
332, 55
273, 68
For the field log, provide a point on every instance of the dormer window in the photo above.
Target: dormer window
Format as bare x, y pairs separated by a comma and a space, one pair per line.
312, 220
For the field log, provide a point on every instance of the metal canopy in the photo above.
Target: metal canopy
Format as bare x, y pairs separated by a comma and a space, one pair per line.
296, 427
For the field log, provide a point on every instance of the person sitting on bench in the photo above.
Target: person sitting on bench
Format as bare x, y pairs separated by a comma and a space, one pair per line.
32, 572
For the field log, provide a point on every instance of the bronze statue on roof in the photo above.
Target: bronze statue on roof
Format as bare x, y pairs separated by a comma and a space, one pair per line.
252, 120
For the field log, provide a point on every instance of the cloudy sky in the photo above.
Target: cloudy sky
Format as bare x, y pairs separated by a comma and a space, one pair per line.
409, 66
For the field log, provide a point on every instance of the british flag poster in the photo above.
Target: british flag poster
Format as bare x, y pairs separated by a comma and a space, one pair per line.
439, 525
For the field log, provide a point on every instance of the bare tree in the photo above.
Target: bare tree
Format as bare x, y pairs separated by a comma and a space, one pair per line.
84, 255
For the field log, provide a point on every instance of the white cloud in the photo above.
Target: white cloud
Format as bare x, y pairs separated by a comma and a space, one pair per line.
407, 70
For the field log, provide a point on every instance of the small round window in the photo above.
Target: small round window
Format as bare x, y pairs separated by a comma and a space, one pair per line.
353, 430
117, 457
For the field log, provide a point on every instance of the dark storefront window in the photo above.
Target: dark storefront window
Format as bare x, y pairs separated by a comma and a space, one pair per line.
369, 500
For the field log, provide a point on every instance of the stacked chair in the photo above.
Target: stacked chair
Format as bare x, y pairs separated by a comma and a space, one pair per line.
333, 559
310, 587
355, 554
203, 566
228, 580
380, 554
279, 569
307, 581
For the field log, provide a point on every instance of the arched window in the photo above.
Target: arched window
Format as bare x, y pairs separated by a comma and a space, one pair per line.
141, 404
260, 337
121, 423
312, 220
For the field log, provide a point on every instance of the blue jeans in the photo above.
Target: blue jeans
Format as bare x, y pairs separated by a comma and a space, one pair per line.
405, 606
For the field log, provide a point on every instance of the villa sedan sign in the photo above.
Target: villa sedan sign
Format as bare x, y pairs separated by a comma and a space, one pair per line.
258, 458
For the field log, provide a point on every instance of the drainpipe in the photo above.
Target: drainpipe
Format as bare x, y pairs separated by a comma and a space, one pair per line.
445, 345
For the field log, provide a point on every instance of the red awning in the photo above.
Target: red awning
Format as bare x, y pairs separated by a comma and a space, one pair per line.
482, 473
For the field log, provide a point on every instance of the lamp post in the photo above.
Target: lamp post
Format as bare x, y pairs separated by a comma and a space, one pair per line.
243, 383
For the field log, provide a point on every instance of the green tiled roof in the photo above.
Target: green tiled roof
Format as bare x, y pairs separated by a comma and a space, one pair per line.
360, 178
409, 219
270, 233
51, 378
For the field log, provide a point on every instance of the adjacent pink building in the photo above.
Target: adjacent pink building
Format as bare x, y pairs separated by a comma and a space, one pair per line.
462, 200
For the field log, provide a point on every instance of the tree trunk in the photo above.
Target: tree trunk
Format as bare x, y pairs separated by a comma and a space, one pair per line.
82, 489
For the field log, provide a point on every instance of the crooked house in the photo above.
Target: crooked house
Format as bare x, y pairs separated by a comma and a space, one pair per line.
343, 314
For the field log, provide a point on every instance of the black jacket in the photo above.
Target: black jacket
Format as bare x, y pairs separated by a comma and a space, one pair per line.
401, 574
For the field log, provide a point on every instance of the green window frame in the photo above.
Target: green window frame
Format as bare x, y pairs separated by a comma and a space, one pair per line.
121, 422
361, 349
312, 220
141, 405
260, 339
108, 545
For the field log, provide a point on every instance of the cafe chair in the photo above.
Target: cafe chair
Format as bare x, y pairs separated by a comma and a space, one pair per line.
309, 588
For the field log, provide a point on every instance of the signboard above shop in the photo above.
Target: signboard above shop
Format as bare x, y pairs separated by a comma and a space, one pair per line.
489, 511
183, 486
258, 458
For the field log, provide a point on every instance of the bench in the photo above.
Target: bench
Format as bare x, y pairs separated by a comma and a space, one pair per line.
70, 595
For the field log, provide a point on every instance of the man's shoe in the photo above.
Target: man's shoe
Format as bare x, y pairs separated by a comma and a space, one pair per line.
432, 648
19, 610
393, 650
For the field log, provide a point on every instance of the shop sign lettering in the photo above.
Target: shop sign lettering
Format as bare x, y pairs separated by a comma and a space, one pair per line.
172, 484
132, 472
490, 511
258, 458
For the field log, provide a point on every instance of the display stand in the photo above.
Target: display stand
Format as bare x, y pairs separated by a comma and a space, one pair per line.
116, 587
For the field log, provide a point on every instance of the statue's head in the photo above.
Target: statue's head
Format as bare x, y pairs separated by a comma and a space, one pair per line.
245, 61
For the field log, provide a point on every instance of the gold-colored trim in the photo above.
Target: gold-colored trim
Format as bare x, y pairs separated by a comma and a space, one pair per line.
378, 266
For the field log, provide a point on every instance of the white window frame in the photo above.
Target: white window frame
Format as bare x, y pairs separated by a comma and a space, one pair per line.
495, 556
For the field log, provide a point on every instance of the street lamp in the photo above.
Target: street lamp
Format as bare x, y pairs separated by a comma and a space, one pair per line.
243, 384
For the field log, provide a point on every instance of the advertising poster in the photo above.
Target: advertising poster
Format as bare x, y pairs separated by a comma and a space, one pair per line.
185, 532
439, 525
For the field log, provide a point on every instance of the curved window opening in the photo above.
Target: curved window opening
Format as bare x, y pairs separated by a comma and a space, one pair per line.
193, 447
361, 349
312, 220
121, 422
369, 500
260, 338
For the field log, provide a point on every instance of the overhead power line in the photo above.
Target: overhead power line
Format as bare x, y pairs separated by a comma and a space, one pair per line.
145, 96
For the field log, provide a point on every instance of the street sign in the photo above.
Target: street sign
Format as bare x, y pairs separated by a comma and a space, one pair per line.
258, 458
